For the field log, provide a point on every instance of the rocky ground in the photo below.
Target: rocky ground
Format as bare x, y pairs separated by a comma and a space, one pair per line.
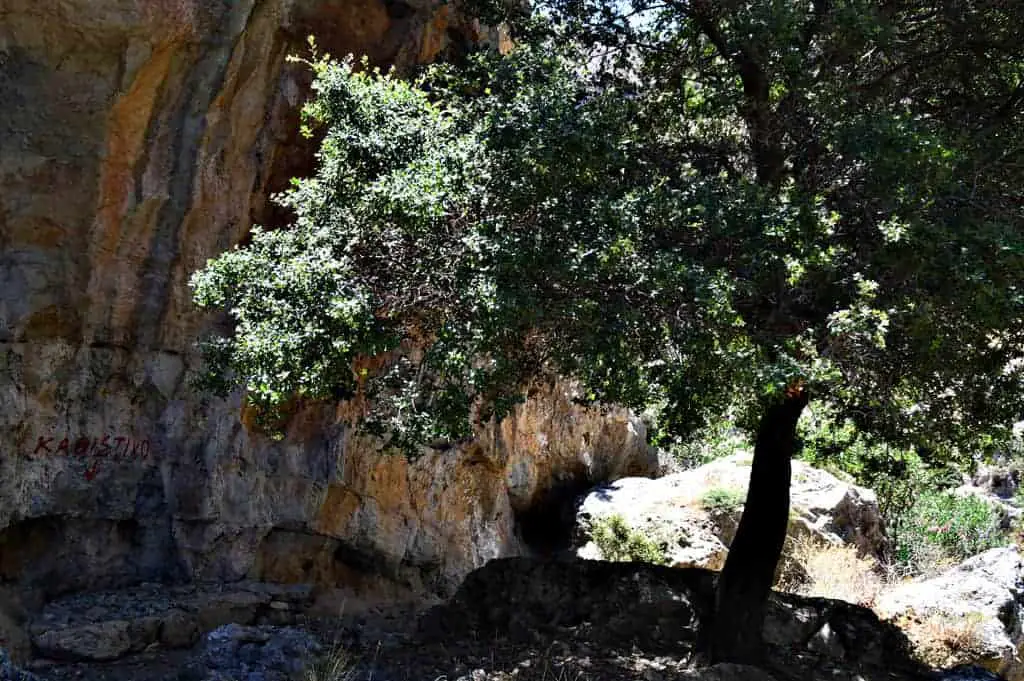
522, 619
556, 619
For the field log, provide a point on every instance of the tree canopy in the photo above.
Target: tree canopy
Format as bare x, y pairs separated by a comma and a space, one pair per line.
681, 204
682, 210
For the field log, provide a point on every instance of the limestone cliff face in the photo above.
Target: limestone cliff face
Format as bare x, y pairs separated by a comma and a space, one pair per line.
137, 139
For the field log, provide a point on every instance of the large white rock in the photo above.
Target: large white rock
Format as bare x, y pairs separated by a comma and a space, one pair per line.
663, 511
673, 511
988, 587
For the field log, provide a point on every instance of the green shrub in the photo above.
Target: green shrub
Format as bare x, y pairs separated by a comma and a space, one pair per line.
837, 446
720, 438
941, 528
930, 527
620, 542
719, 499
899, 476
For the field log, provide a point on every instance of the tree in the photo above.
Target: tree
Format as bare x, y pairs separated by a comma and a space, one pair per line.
683, 204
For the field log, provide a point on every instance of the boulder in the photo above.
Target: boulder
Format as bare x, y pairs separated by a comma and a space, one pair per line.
618, 606
100, 642
179, 629
999, 480
104, 626
972, 613
693, 515
842, 633
966, 672
621, 608
686, 533
265, 653
728, 672
13, 637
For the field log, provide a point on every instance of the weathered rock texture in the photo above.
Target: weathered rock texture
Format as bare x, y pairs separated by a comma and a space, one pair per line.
694, 514
1001, 481
262, 652
101, 626
9, 672
608, 608
138, 138
971, 613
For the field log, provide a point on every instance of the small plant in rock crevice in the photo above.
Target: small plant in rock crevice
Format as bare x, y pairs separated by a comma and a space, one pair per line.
620, 542
336, 664
722, 499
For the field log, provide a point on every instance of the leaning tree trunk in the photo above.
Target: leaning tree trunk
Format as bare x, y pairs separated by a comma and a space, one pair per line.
746, 580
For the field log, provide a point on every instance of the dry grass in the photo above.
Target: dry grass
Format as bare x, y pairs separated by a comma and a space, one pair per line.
833, 572
938, 640
941, 640
336, 665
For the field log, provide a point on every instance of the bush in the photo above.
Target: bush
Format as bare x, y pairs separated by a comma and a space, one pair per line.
929, 527
941, 640
718, 499
834, 572
620, 542
942, 528
336, 665
720, 438
895, 474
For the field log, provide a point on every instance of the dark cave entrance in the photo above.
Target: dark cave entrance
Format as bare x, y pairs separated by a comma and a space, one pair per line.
548, 526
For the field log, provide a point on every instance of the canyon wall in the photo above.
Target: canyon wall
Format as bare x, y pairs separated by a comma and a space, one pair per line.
138, 138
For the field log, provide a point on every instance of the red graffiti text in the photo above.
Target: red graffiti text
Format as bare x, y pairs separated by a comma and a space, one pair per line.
116, 448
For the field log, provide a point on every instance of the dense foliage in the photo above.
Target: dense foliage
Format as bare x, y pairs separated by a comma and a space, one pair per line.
686, 206
930, 527
713, 202
941, 529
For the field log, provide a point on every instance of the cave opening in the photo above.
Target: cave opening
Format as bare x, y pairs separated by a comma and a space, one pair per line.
548, 526
55, 555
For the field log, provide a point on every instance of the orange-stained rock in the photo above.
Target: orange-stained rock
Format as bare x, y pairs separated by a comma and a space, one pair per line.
139, 138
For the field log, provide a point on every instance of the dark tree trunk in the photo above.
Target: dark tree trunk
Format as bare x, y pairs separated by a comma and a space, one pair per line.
746, 581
